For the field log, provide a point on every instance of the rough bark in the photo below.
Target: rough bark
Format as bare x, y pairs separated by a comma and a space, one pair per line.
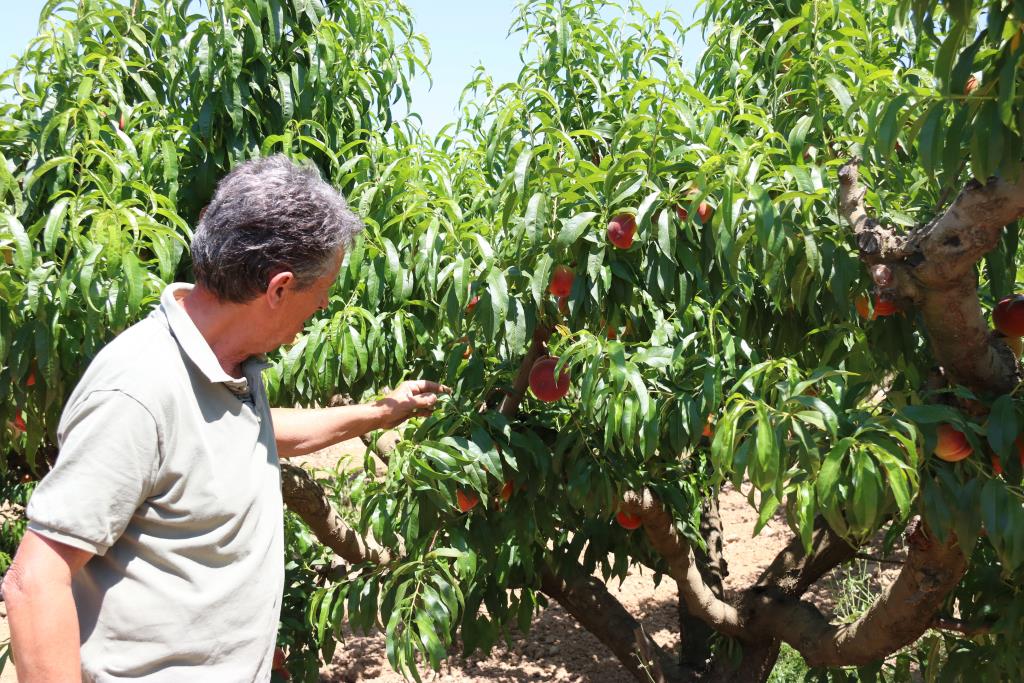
792, 572
306, 497
897, 618
755, 665
695, 635
700, 599
588, 600
771, 610
933, 268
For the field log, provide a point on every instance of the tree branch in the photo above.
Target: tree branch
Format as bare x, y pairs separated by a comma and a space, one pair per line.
793, 572
933, 268
700, 600
588, 600
897, 618
696, 636
510, 404
306, 497
876, 243
961, 627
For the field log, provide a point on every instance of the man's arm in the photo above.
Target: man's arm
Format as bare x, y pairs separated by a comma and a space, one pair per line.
301, 431
41, 610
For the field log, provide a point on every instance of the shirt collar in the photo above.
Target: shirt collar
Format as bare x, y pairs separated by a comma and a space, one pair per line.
192, 342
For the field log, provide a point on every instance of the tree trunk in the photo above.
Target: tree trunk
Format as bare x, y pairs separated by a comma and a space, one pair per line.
588, 600
755, 665
695, 635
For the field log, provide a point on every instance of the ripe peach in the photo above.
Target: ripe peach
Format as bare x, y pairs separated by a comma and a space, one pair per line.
704, 212
506, 490
30, 381
1008, 316
709, 430
278, 665
971, 85
472, 304
561, 280
621, 230
883, 307
19, 424
952, 445
467, 501
682, 213
543, 383
628, 521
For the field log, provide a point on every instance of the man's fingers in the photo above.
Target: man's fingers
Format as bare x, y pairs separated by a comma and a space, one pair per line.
425, 401
425, 386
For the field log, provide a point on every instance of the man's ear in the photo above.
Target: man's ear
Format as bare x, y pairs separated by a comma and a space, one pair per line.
277, 287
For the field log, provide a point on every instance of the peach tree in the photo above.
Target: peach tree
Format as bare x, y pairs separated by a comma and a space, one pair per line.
781, 263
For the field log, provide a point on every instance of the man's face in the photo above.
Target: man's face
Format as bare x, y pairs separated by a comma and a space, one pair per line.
298, 305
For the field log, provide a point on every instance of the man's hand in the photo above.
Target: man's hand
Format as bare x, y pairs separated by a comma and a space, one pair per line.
413, 398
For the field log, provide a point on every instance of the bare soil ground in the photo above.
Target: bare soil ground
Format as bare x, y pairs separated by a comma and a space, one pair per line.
557, 648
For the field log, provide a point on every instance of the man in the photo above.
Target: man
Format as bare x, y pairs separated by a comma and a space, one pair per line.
154, 548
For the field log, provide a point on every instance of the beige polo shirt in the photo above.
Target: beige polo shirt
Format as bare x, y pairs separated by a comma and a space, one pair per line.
168, 472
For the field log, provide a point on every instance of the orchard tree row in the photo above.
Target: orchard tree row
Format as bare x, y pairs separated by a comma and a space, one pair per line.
644, 279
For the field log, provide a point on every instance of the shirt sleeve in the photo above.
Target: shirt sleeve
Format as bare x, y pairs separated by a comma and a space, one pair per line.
107, 463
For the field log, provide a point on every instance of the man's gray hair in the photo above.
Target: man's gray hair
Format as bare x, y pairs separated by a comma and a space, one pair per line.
270, 215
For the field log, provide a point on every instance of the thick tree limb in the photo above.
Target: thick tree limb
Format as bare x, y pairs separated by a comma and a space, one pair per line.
897, 618
696, 636
961, 627
792, 572
755, 666
588, 600
933, 268
876, 243
700, 600
772, 611
306, 497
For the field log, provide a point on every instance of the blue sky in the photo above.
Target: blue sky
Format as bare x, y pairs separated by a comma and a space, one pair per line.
462, 34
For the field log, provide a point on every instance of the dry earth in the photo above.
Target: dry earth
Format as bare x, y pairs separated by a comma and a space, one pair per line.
556, 648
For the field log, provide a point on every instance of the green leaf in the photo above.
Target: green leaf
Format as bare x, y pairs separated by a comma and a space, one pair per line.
54, 224
23, 255
497, 288
764, 468
522, 166
839, 90
573, 228
828, 476
1002, 427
